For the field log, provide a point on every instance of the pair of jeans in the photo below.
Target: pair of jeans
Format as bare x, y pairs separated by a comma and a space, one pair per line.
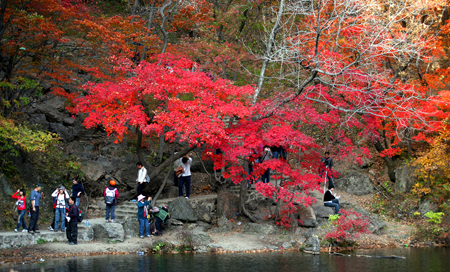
21, 219
34, 218
77, 202
60, 214
140, 188
266, 176
110, 208
72, 231
184, 181
158, 224
143, 224
334, 203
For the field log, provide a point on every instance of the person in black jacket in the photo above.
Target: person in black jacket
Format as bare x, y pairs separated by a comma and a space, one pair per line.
72, 225
330, 200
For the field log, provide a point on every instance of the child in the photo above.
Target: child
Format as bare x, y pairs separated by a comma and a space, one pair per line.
21, 209
111, 196
142, 215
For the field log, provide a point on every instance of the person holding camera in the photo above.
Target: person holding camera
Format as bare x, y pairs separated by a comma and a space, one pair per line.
21, 209
61, 196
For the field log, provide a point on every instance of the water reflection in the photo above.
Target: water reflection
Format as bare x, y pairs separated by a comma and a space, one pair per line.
424, 259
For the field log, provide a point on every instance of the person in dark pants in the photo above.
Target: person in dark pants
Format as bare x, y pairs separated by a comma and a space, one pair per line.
72, 225
141, 180
327, 168
330, 200
185, 179
35, 198
77, 190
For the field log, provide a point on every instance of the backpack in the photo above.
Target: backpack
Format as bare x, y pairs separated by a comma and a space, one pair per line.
163, 213
80, 215
110, 196
147, 178
28, 206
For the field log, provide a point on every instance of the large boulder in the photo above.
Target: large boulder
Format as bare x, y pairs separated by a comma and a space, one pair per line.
227, 204
131, 227
64, 132
355, 183
182, 210
307, 217
109, 232
200, 236
376, 225
322, 211
93, 170
404, 178
263, 229
39, 120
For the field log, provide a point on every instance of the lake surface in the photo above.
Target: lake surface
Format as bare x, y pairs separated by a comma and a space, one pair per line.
417, 259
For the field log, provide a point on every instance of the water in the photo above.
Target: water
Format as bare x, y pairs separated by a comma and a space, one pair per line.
417, 259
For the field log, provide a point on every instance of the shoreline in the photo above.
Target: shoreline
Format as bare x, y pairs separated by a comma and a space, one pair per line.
60, 250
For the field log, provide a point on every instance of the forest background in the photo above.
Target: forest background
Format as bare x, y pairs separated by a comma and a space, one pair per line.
355, 78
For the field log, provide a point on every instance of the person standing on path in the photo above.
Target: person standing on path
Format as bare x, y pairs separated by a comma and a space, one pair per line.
142, 178
35, 198
21, 209
77, 190
61, 196
266, 156
327, 168
142, 216
111, 196
185, 179
72, 224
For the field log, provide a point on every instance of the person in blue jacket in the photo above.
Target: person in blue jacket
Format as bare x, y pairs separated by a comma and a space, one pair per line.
143, 211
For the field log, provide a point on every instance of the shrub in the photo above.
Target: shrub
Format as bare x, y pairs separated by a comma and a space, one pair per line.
346, 228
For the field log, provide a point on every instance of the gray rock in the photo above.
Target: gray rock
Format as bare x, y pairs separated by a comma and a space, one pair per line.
224, 222
356, 183
64, 132
131, 227
39, 120
106, 163
404, 178
181, 209
69, 121
203, 214
264, 229
109, 232
200, 237
227, 204
202, 249
171, 192
52, 109
175, 222
93, 170
286, 245
312, 245
376, 225
427, 206
322, 211
307, 217
272, 247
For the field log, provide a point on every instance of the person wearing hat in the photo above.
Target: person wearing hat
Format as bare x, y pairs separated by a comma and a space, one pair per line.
111, 196
35, 198
142, 215
61, 196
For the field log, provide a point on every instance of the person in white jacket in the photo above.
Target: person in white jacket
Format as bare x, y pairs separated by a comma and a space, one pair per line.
61, 196
185, 178
141, 180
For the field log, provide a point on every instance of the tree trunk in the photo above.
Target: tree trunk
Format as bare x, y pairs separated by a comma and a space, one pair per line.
243, 196
389, 161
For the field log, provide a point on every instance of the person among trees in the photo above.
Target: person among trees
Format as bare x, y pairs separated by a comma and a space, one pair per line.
72, 222
21, 209
143, 213
35, 198
185, 179
111, 196
326, 168
61, 196
77, 190
331, 200
267, 155
142, 174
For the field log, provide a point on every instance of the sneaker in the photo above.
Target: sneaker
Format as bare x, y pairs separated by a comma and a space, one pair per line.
72, 243
112, 221
107, 220
24, 230
187, 197
63, 230
148, 236
36, 231
15, 230
142, 237
50, 228
55, 230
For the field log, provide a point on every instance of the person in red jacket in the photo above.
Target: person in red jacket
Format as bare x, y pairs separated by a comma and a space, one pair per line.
21, 209
111, 196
